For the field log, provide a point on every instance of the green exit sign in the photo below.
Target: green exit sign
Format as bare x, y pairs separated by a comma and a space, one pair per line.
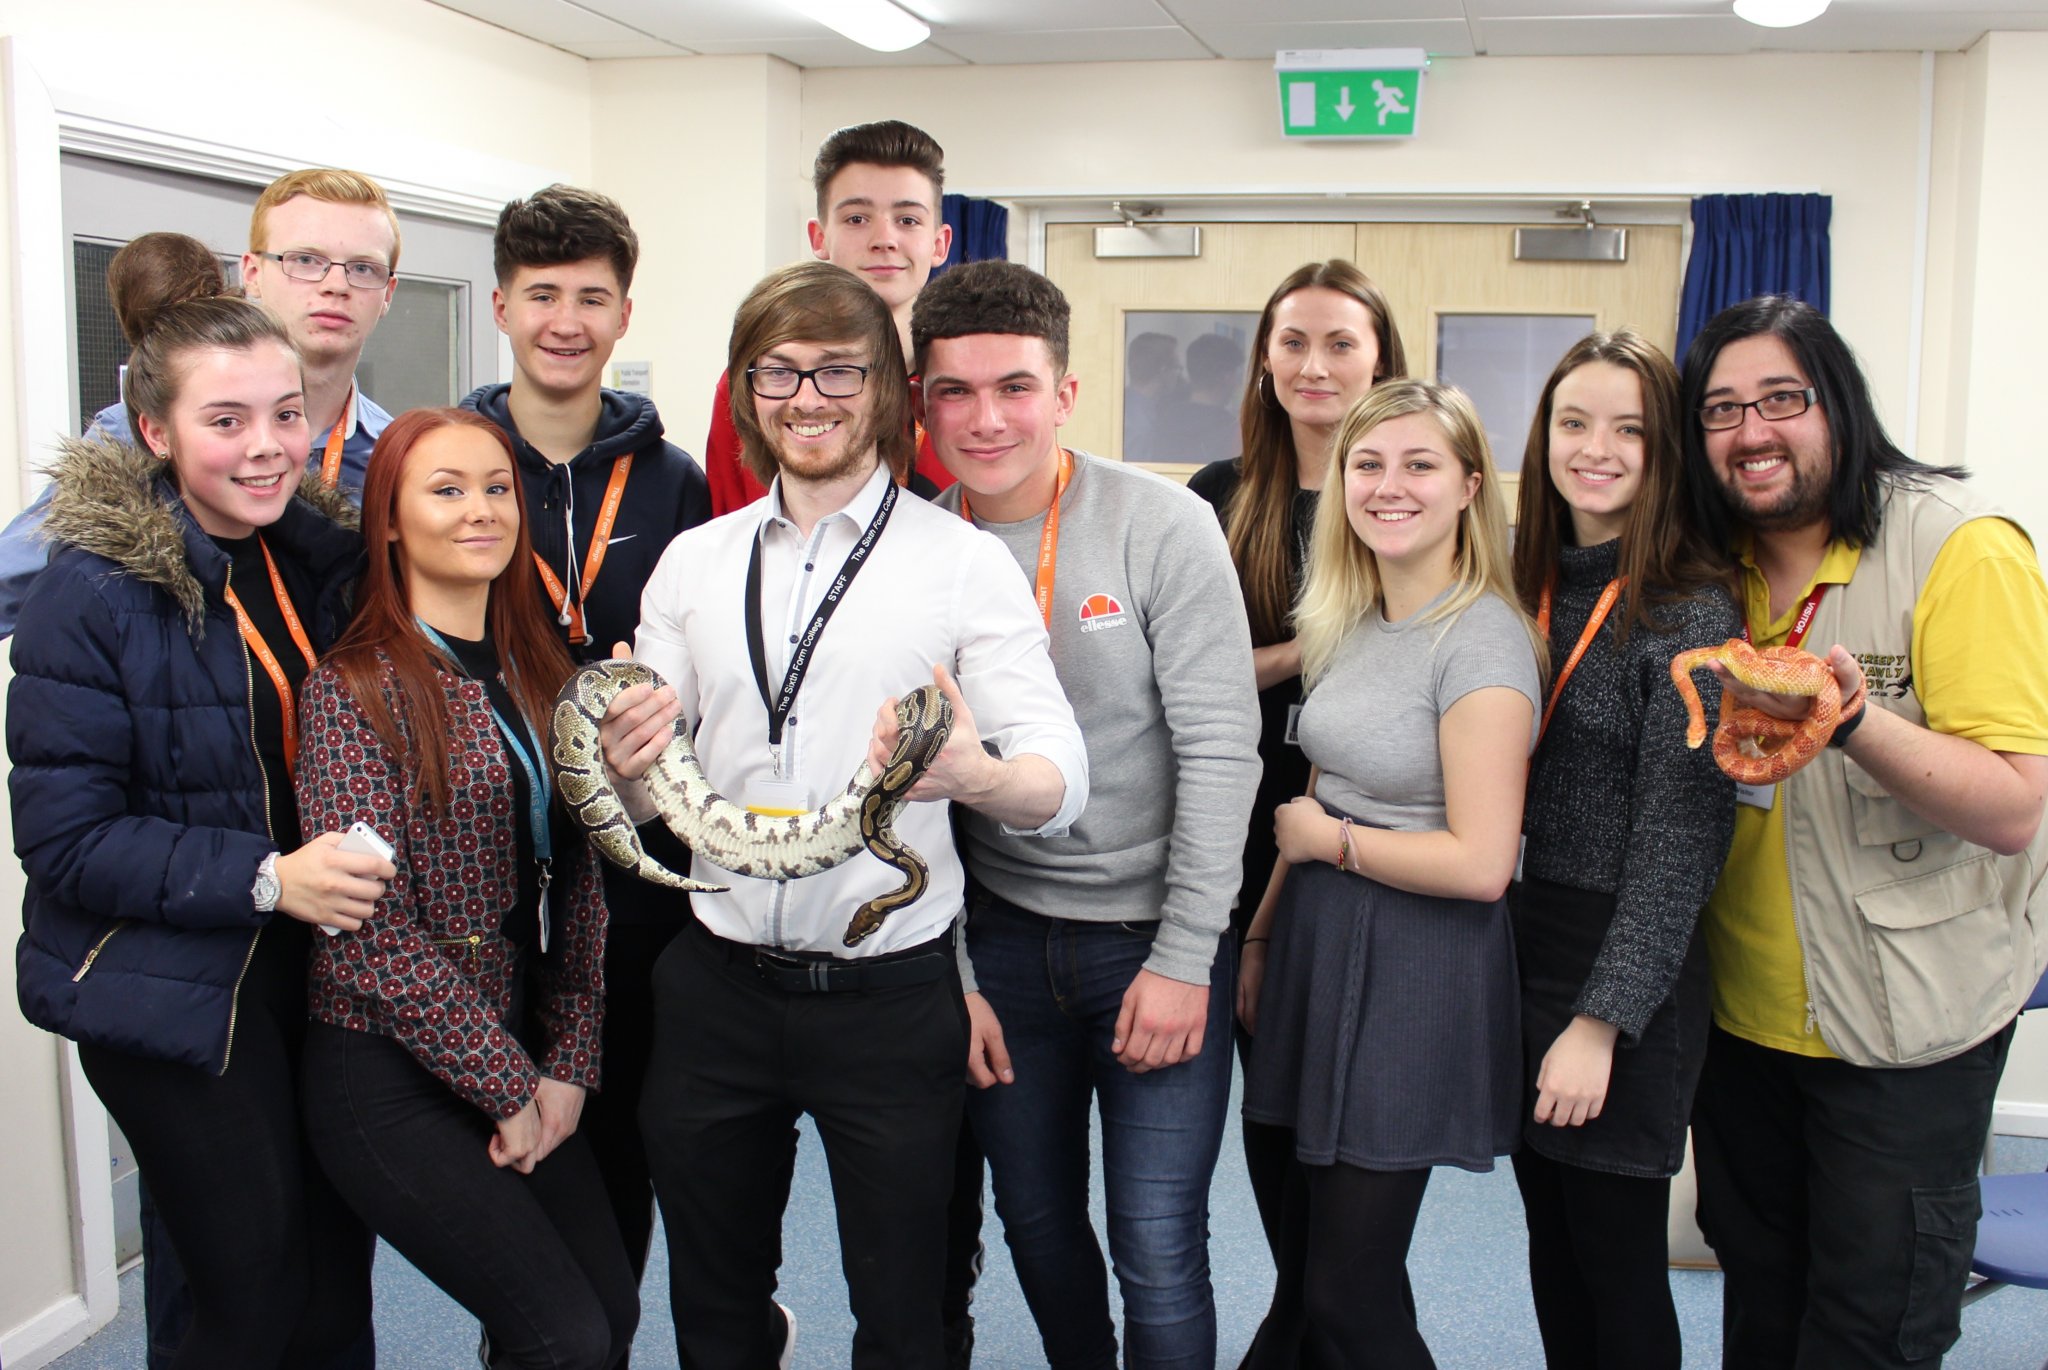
1350, 92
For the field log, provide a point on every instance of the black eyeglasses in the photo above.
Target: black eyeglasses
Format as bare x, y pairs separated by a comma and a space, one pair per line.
311, 266
839, 381
1779, 405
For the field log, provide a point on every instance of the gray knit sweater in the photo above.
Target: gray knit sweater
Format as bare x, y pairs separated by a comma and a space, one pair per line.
1617, 804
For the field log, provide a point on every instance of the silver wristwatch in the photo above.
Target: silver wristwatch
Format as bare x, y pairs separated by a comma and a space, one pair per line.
267, 890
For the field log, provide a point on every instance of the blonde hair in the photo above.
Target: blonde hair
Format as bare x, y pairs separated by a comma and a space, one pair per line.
1343, 582
331, 184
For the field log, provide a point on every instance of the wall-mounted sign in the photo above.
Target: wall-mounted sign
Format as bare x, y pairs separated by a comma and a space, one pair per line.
1350, 92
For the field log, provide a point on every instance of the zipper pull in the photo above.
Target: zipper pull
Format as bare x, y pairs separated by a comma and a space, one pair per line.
547, 878
1812, 1017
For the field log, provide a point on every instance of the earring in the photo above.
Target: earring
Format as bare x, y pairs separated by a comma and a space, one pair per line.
164, 455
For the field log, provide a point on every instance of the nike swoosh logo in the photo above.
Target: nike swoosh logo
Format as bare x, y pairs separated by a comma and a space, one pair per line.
627, 538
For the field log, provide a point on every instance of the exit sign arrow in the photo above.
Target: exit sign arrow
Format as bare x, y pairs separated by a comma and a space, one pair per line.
1344, 105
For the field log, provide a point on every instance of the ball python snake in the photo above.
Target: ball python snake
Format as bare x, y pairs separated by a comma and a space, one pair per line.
1751, 746
728, 835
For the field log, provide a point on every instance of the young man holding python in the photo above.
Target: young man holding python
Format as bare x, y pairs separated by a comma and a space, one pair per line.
778, 627
1878, 922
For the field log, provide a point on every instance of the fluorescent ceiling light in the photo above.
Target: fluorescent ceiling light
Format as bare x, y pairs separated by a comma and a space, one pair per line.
874, 24
1780, 14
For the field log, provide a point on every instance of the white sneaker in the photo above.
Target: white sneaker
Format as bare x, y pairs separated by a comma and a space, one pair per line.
788, 1355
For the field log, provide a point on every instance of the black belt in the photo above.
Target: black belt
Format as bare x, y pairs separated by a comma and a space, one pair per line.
805, 972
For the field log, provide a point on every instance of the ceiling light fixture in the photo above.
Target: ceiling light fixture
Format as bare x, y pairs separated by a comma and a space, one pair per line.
873, 24
1780, 14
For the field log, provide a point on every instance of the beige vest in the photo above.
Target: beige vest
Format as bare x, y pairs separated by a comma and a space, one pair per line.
1918, 944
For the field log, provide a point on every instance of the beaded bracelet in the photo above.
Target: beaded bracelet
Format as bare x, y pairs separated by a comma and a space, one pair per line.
1344, 845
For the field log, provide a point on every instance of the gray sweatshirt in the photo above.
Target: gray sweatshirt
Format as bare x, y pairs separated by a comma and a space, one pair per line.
1151, 645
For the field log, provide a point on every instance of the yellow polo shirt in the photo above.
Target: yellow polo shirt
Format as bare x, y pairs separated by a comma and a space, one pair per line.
1980, 636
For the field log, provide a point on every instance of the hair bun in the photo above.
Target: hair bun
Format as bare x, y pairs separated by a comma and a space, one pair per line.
158, 272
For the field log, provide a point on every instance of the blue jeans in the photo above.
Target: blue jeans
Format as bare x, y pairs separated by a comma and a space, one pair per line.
1057, 986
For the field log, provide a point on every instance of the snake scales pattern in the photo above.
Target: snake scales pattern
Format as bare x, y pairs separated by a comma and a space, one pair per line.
728, 835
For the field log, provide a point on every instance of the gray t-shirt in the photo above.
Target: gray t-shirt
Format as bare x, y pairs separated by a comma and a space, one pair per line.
1371, 721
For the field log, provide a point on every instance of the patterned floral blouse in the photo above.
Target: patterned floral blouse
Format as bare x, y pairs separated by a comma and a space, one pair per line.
431, 968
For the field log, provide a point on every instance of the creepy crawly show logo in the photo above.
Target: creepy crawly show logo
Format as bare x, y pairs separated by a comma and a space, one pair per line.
1102, 611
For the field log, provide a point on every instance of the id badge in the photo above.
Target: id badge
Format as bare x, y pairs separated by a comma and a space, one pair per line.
1292, 737
1756, 796
772, 798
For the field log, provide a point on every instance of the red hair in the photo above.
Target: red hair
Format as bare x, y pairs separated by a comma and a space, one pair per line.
385, 637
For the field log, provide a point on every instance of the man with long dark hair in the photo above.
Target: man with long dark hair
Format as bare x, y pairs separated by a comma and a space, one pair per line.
1877, 924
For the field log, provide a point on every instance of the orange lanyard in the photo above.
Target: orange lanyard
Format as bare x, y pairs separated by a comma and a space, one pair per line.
271, 666
600, 539
1800, 624
1600, 611
1048, 541
330, 461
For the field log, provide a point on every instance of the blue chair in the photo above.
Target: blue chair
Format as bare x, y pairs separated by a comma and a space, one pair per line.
2012, 1236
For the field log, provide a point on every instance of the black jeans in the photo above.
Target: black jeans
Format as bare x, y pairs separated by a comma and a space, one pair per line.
1842, 1202
277, 1270
535, 1258
736, 1060
1599, 1257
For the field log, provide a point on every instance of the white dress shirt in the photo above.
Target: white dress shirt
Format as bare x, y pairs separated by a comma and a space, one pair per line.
933, 591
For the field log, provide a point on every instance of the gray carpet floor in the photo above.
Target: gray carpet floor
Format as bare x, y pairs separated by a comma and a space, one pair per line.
1471, 1288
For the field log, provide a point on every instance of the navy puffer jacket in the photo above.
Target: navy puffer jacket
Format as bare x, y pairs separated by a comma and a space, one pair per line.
139, 804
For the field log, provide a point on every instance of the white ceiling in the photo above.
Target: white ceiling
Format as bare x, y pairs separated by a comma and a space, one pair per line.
1011, 31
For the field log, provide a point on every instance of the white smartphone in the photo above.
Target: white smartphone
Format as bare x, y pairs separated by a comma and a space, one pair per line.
360, 837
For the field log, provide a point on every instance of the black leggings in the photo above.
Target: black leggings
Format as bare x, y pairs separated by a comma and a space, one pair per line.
1342, 1298
278, 1268
1598, 1256
536, 1258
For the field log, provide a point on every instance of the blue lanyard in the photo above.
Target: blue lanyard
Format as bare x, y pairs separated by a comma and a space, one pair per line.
539, 789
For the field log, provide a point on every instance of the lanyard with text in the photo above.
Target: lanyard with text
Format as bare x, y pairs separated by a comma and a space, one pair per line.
1048, 541
1800, 624
272, 667
1600, 612
337, 436
780, 704
540, 792
571, 615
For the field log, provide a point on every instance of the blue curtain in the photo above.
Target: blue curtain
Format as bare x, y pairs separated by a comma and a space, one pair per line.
1748, 245
981, 231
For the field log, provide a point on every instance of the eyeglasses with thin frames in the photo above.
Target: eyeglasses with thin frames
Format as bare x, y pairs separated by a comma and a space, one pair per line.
839, 381
311, 266
1775, 407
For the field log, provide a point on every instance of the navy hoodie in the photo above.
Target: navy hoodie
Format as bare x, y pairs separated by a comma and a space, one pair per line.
665, 493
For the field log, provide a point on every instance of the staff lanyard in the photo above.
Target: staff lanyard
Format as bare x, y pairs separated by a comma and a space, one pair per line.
569, 615
272, 667
337, 436
1800, 624
779, 705
1048, 541
540, 793
1601, 609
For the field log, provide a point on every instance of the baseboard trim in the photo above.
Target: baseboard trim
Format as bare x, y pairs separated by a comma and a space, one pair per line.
43, 1338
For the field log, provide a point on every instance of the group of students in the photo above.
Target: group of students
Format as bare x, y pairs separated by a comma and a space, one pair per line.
1478, 878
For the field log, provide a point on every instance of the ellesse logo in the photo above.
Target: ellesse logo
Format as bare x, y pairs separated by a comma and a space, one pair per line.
1101, 611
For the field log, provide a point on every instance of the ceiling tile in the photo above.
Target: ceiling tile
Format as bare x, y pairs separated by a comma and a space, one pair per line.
1044, 16
1640, 37
549, 21
631, 47
693, 23
1576, 9
831, 50
1203, 13
1438, 37
1076, 45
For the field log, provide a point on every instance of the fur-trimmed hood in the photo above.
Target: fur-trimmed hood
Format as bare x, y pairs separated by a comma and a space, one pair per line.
115, 500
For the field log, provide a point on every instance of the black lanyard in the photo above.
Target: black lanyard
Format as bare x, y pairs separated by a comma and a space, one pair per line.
800, 656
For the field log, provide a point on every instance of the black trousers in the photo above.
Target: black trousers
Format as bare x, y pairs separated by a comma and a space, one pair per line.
736, 1060
1599, 1258
1842, 1202
276, 1268
611, 1116
535, 1258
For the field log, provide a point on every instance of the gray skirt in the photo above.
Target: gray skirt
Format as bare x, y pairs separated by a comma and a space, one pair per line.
1389, 1026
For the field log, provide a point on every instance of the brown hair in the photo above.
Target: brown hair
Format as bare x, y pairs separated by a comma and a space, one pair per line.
817, 302
888, 143
1260, 522
536, 664
170, 298
1663, 554
322, 183
991, 297
564, 224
